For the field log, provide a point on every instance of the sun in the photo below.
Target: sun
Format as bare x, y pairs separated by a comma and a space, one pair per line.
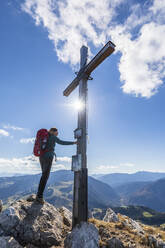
78, 105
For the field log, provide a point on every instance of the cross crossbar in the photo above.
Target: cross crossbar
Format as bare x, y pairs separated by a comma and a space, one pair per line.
107, 50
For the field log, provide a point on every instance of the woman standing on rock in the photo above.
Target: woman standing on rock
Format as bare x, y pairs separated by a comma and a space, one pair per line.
46, 159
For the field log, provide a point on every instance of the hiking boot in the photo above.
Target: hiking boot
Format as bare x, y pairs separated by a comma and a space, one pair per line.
40, 200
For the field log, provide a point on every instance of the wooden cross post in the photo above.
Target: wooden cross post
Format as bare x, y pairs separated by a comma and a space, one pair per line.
79, 161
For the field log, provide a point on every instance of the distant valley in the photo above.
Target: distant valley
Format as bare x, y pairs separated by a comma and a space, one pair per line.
58, 190
120, 191
140, 188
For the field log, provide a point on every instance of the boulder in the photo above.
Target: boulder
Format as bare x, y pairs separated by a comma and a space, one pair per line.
110, 216
84, 235
161, 244
9, 242
67, 216
133, 225
114, 243
32, 223
153, 242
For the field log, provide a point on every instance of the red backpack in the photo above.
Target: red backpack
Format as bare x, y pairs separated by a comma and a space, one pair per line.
40, 142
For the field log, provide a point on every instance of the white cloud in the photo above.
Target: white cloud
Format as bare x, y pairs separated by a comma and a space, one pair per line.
104, 169
56, 167
142, 64
27, 140
127, 164
139, 38
8, 126
70, 23
4, 133
158, 6
25, 165
138, 17
64, 159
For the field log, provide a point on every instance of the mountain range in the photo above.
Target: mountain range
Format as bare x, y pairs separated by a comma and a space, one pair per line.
117, 179
151, 194
141, 188
58, 191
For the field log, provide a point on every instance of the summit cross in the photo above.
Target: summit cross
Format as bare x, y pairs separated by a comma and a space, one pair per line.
79, 161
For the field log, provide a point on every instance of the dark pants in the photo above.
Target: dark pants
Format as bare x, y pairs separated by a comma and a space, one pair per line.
46, 164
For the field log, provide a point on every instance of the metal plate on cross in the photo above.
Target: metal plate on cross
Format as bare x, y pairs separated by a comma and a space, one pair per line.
77, 133
76, 162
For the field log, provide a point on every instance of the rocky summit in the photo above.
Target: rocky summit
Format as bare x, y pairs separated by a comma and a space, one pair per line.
127, 233
26, 223
31, 223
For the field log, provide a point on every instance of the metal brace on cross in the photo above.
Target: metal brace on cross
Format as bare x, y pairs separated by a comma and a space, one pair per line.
79, 161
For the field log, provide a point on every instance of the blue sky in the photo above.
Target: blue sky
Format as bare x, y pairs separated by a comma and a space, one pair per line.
40, 45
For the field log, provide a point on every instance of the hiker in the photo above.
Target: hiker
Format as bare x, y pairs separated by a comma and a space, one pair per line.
46, 160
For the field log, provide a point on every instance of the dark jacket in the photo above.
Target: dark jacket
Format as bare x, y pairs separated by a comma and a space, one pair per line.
52, 140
